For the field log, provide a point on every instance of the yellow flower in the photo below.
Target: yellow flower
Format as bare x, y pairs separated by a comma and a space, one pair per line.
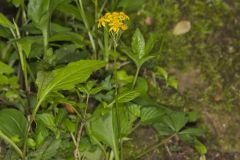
115, 21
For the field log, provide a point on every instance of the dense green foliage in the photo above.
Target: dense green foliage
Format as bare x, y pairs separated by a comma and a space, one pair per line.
71, 90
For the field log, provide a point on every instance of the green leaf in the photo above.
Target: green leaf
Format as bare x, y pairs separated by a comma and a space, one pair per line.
16, 3
201, 148
175, 120
151, 115
47, 151
192, 131
66, 36
48, 120
4, 68
67, 77
138, 44
5, 22
150, 43
26, 44
126, 119
104, 129
13, 123
127, 96
70, 10
192, 116
172, 82
38, 12
163, 129
162, 72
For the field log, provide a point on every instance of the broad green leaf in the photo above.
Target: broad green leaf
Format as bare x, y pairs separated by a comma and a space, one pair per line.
46, 151
26, 44
104, 129
138, 44
48, 120
66, 36
13, 123
70, 10
175, 120
150, 43
127, 96
38, 12
163, 130
5, 22
4, 68
142, 86
151, 115
67, 77
126, 119
192, 116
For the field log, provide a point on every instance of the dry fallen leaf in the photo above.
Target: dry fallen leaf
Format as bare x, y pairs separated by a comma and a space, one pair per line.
182, 27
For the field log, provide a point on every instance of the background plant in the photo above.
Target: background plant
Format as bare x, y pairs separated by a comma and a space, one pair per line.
47, 59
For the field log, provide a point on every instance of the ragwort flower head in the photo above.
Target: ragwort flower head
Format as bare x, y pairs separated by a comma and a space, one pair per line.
115, 21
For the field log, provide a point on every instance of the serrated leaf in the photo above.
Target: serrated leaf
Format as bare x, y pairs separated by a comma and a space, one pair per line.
175, 120
127, 96
151, 115
138, 44
150, 43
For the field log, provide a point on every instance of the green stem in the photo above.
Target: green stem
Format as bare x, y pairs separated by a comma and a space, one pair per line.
17, 35
8, 140
116, 109
82, 12
136, 76
106, 46
45, 41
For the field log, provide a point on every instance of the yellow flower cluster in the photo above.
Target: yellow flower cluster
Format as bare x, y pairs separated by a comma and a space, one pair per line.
115, 21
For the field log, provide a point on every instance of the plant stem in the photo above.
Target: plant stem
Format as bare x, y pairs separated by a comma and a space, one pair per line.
136, 76
23, 62
45, 41
82, 12
116, 109
106, 46
82, 124
155, 146
8, 140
